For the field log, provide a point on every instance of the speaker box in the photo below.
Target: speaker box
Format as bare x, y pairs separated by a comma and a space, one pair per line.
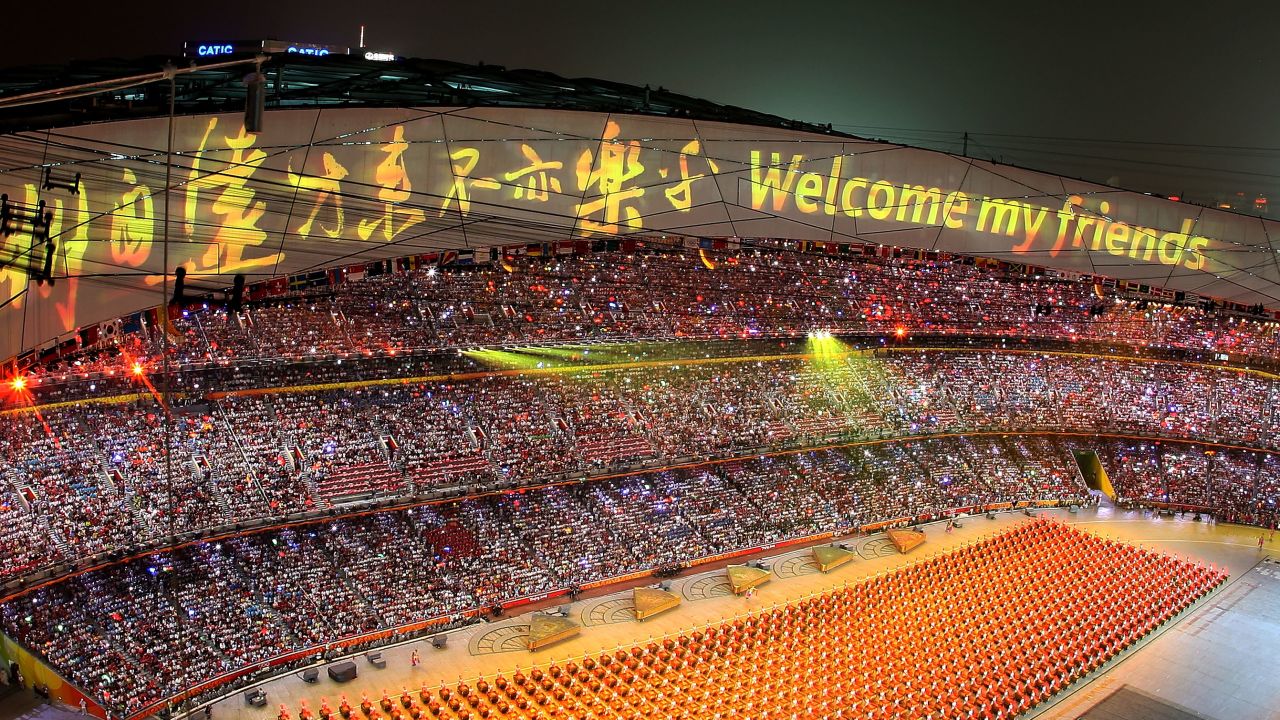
439, 641
375, 659
343, 671
311, 675
237, 294
256, 698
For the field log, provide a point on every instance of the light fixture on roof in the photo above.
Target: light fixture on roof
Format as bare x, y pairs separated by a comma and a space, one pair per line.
255, 97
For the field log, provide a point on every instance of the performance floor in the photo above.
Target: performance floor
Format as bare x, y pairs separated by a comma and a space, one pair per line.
1216, 662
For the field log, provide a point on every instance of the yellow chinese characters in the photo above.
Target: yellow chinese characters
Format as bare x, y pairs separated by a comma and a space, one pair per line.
395, 188
236, 206
534, 181
681, 195
464, 161
69, 233
133, 223
327, 189
618, 164
72, 241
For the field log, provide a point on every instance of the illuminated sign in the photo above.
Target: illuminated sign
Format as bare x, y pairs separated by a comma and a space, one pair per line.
207, 50
300, 48
215, 49
379, 56
778, 185
382, 182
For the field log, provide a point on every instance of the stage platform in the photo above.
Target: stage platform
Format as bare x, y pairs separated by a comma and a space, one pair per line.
547, 630
742, 578
830, 557
906, 540
651, 601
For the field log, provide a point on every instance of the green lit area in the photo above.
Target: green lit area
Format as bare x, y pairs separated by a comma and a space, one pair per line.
834, 369
505, 359
563, 356
559, 356
825, 348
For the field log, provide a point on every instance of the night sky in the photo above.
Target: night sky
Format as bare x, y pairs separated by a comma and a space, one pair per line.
1169, 98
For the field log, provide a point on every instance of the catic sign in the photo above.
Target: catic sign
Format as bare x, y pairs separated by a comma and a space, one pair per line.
298, 48
216, 49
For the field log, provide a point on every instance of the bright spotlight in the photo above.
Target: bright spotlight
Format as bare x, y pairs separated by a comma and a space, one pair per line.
137, 368
900, 332
19, 383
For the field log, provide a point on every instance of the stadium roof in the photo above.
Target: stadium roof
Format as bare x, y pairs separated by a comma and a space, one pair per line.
303, 81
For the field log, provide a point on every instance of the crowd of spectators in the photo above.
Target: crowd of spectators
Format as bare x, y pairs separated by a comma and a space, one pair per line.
661, 292
1230, 484
934, 430
84, 479
138, 631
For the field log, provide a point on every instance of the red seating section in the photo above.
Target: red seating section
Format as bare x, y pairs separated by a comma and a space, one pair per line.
363, 479
609, 449
453, 469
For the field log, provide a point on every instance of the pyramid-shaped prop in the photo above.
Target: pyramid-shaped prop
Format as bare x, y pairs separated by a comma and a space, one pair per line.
830, 557
742, 577
906, 540
651, 601
545, 630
